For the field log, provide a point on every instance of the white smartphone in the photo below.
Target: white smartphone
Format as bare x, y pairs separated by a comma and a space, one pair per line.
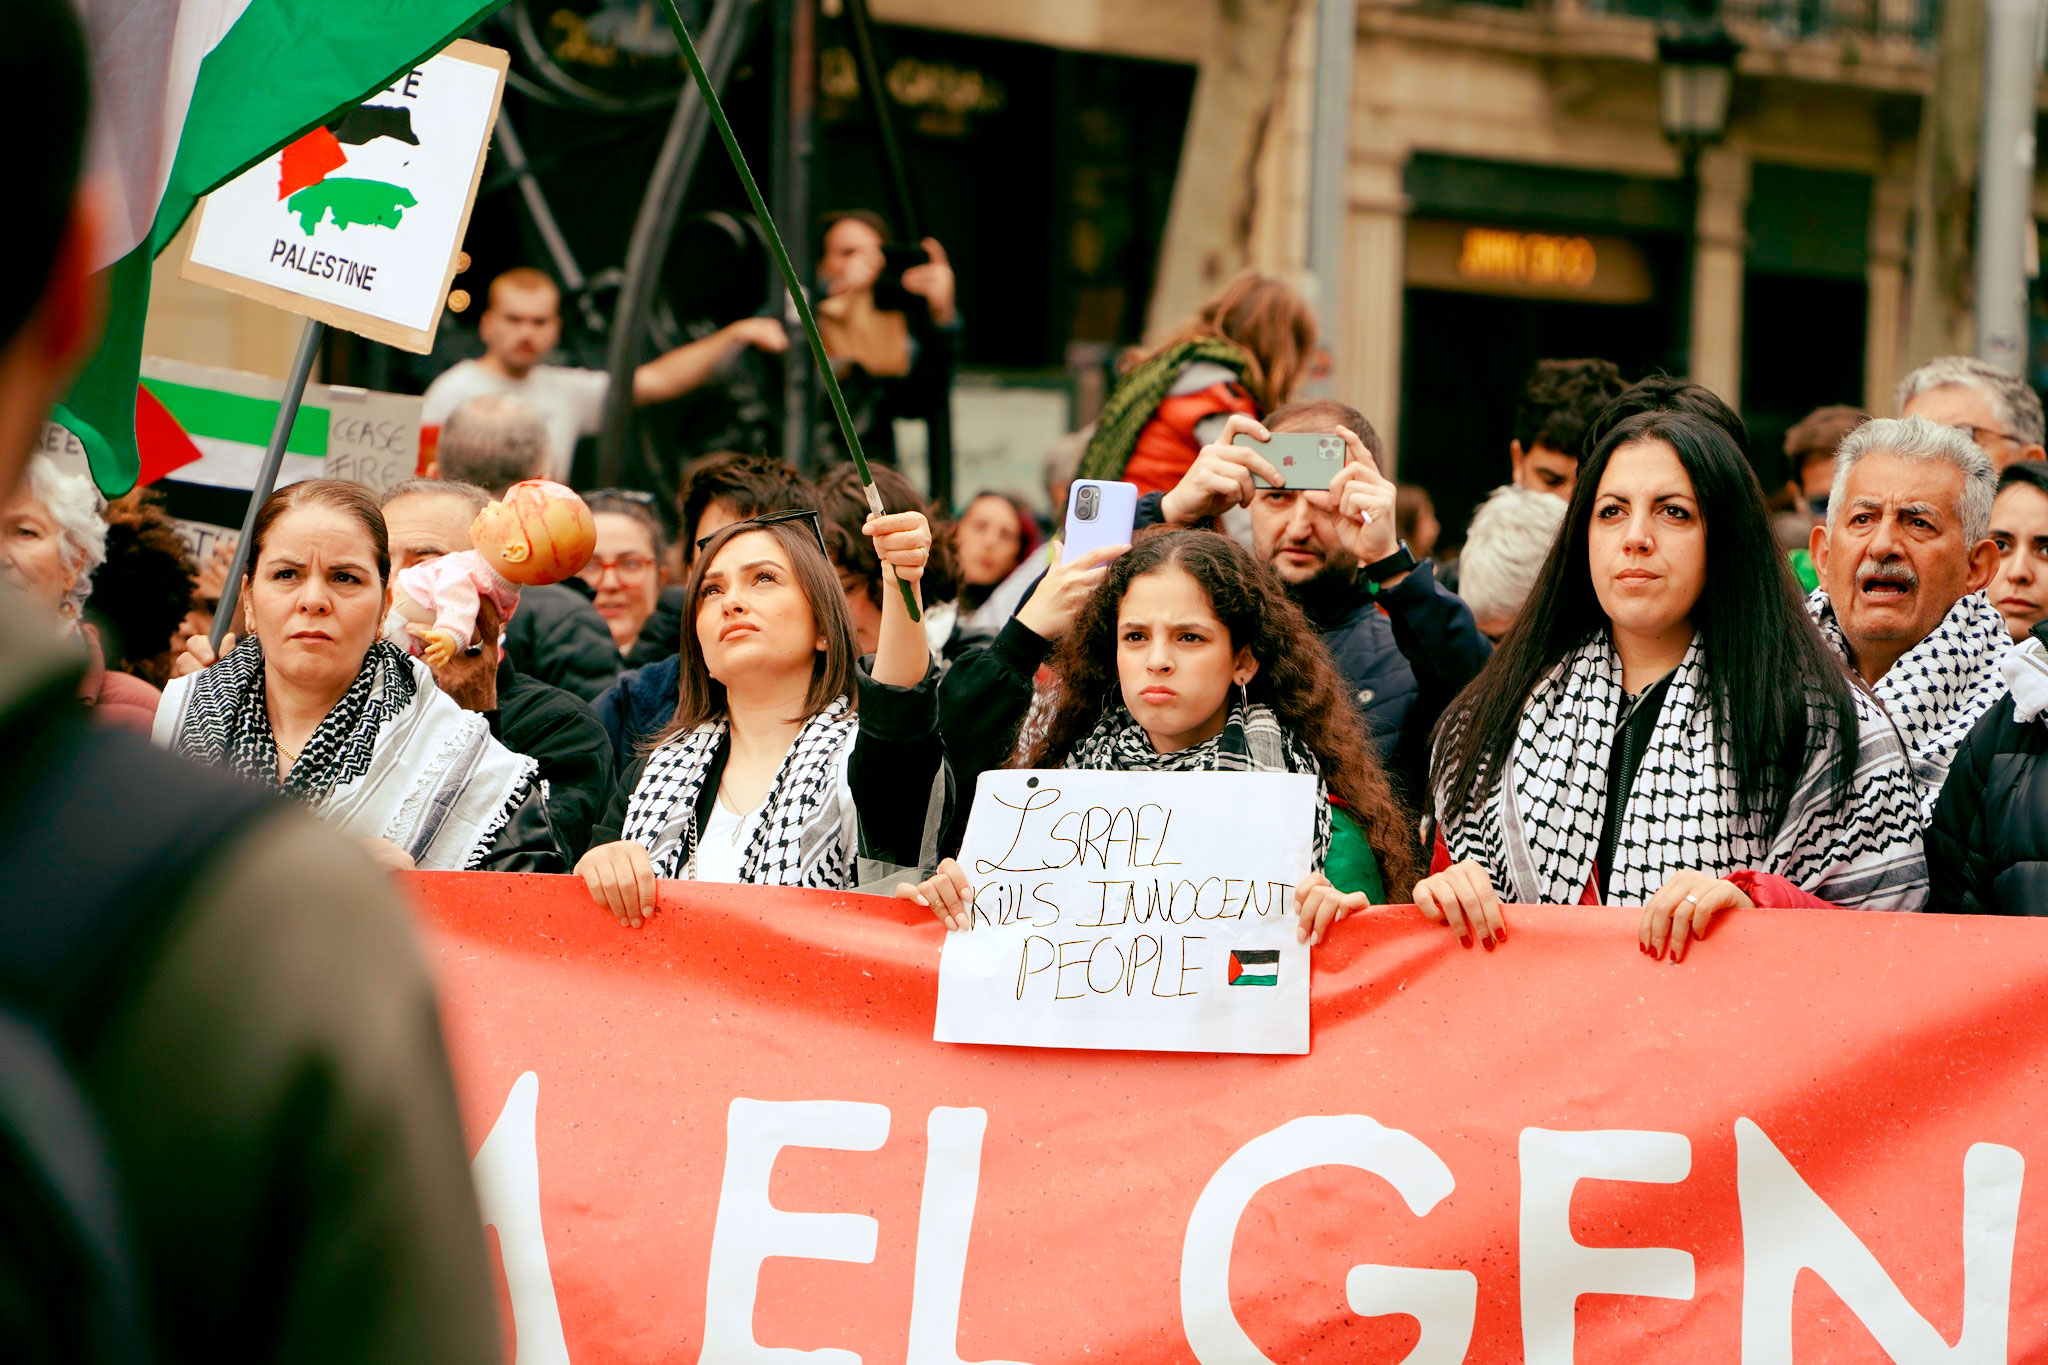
1100, 513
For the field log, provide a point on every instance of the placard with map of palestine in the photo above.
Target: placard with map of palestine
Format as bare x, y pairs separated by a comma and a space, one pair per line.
358, 223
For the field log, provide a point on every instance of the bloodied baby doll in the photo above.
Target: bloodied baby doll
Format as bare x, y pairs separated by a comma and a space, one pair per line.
540, 532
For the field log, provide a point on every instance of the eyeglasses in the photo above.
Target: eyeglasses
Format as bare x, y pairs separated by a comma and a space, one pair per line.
776, 519
633, 495
629, 568
1977, 434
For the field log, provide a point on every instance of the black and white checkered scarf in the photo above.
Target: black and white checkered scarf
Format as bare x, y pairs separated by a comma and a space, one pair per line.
1252, 741
804, 836
1940, 687
1538, 833
394, 759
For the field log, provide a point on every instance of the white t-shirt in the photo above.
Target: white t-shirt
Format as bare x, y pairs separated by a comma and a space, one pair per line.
722, 847
570, 401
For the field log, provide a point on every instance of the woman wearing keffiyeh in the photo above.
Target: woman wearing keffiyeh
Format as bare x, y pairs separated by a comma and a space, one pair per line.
1191, 658
1664, 727
786, 762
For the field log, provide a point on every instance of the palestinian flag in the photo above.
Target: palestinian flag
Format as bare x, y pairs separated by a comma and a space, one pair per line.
1255, 966
189, 94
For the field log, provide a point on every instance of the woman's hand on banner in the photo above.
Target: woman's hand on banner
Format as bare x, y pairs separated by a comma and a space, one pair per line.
1318, 905
945, 893
1683, 908
621, 879
1462, 897
389, 856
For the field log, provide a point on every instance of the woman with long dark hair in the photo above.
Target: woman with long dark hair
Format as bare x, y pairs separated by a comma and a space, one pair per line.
1191, 658
787, 761
1663, 726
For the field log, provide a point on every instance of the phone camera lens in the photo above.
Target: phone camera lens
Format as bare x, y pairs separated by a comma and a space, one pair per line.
1084, 504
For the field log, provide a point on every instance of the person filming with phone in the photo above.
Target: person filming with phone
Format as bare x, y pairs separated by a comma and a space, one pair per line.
890, 325
1323, 518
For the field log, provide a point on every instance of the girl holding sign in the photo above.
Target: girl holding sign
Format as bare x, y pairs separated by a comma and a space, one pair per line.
779, 733
1191, 658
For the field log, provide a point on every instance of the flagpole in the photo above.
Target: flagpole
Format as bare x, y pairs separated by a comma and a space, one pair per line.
266, 475
789, 277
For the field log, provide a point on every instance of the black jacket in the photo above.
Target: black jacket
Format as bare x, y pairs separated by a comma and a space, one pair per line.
558, 637
1987, 850
560, 733
636, 707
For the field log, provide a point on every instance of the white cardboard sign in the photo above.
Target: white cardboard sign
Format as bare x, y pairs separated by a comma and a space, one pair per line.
1149, 911
358, 222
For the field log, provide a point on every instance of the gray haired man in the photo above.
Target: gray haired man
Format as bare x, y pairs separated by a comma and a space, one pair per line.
1999, 411
1903, 560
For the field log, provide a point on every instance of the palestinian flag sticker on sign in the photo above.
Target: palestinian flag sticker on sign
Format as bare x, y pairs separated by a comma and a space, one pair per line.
1255, 967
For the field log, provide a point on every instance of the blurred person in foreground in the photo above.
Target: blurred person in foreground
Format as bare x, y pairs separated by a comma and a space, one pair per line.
892, 343
240, 994
1904, 558
521, 326
717, 490
556, 635
1246, 351
1999, 412
1505, 549
53, 539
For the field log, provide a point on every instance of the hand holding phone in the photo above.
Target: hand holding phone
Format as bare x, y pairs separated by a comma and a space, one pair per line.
1100, 513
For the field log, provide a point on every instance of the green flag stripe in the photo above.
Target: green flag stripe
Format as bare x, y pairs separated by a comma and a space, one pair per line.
233, 417
1247, 979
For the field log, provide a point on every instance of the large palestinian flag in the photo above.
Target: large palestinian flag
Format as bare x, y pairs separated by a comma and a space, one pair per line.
189, 94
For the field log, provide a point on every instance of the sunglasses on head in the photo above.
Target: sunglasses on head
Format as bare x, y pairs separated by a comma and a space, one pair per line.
634, 495
775, 519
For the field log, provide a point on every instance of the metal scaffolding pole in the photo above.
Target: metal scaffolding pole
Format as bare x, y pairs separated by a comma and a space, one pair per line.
2005, 217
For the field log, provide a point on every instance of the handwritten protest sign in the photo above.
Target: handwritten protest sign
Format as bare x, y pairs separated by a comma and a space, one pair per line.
358, 222
1132, 910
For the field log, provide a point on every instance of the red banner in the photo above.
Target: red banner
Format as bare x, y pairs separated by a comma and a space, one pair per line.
730, 1137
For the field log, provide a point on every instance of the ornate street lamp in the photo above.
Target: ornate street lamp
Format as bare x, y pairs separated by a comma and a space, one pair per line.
1695, 78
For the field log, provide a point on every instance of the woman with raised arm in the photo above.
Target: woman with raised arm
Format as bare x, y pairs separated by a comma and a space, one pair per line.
787, 761
1663, 727
1188, 656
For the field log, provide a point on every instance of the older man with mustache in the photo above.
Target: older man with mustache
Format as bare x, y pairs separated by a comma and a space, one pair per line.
1904, 559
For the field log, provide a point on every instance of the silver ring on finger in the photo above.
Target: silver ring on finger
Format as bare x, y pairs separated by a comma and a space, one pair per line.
1365, 515
1693, 899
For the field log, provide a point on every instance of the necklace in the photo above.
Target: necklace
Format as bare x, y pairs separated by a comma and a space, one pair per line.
291, 756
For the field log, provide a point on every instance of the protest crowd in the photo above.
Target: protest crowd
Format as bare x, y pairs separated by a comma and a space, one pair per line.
1645, 680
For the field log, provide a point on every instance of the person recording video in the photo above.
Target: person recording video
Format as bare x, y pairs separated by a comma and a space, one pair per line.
890, 326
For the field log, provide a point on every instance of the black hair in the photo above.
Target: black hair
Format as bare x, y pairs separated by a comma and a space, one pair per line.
43, 68
1560, 401
2032, 473
1670, 393
1769, 675
751, 485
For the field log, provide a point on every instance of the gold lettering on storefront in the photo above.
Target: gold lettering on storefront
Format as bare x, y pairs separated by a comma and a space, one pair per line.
1527, 258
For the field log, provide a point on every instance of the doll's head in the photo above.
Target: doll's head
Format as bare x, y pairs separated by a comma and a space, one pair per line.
539, 532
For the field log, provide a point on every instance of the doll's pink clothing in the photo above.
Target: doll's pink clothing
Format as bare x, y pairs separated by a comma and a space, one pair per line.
453, 588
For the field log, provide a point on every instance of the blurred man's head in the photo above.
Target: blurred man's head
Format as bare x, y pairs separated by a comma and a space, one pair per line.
1810, 451
1296, 532
1505, 549
725, 487
428, 518
49, 303
852, 256
1556, 410
523, 321
1999, 411
492, 441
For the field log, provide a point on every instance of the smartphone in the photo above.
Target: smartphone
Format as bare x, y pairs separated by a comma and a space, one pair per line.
897, 257
1307, 460
1099, 513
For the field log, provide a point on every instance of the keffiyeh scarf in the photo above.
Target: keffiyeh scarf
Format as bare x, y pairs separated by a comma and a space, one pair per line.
394, 759
1940, 687
1252, 741
1537, 832
802, 837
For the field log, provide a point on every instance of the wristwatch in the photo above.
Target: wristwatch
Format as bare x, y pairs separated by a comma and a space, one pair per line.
1393, 566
